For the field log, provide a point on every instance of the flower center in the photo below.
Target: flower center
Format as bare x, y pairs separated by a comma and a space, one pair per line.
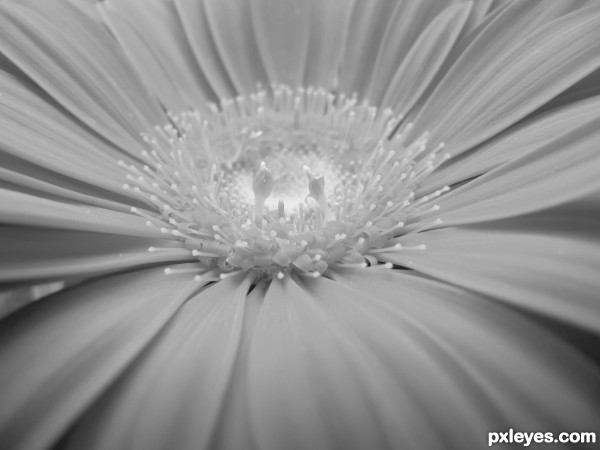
285, 180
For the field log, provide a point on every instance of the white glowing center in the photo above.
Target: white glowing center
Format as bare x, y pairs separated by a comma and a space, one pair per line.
286, 162
287, 180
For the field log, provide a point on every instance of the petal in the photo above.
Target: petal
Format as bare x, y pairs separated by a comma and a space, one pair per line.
88, 7
193, 16
394, 361
506, 368
399, 32
586, 88
364, 41
235, 428
504, 75
231, 26
14, 297
57, 149
562, 170
78, 64
425, 58
15, 180
329, 31
154, 41
22, 209
282, 30
475, 26
479, 11
542, 263
173, 396
306, 378
514, 142
59, 354
37, 254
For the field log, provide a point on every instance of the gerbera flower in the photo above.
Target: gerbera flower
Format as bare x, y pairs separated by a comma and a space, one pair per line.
297, 224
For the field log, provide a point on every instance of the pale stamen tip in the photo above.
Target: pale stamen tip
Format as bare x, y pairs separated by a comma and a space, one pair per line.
308, 172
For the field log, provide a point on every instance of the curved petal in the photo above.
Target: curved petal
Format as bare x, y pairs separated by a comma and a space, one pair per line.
475, 26
88, 7
14, 297
193, 16
329, 32
517, 141
80, 66
173, 396
381, 34
282, 30
235, 428
503, 75
231, 26
57, 355
565, 169
586, 88
153, 39
385, 360
508, 369
479, 11
15, 180
542, 263
43, 135
30, 254
310, 381
425, 57
363, 43
401, 31
22, 209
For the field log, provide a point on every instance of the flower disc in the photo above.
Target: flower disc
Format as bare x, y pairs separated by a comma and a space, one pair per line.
285, 180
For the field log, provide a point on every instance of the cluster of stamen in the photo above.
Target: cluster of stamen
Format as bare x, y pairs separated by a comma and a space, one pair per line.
287, 180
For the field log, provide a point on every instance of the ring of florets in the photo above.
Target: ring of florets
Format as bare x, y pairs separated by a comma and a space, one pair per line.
290, 180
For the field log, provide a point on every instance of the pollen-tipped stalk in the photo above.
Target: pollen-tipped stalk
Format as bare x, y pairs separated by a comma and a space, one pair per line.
262, 186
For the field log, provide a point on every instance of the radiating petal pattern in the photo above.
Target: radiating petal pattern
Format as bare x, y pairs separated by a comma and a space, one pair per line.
497, 355
110, 322
425, 58
564, 169
235, 39
102, 90
158, 48
289, 224
466, 109
363, 42
23, 209
515, 142
69, 151
329, 31
283, 33
544, 263
194, 22
404, 29
30, 253
174, 395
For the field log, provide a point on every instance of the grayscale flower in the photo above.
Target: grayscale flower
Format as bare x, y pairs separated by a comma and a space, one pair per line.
297, 224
